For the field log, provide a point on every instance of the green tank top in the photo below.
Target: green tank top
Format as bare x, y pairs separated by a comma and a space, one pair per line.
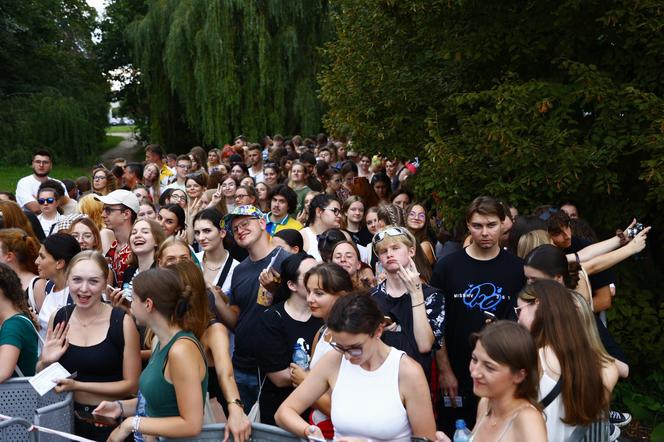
158, 392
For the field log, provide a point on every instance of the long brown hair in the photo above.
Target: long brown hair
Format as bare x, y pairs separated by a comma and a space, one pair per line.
13, 216
171, 298
557, 324
199, 316
507, 343
157, 234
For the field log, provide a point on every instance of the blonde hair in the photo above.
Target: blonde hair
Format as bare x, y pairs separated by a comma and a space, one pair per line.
406, 238
90, 225
89, 255
92, 208
590, 327
532, 240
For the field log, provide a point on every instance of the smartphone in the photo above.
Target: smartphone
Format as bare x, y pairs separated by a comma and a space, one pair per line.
125, 301
96, 419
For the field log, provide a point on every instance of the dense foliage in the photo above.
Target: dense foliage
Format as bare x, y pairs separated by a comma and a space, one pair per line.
52, 93
225, 68
531, 101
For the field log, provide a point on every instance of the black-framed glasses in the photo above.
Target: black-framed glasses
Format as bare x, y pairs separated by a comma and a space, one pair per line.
335, 210
390, 231
49, 200
517, 310
238, 196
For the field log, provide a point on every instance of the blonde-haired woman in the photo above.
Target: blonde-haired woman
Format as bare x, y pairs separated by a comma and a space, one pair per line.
93, 208
97, 341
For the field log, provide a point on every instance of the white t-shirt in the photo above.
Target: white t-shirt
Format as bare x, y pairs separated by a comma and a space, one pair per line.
53, 302
258, 177
46, 224
27, 188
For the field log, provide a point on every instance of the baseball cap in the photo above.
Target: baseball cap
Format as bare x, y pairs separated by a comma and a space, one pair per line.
248, 210
120, 196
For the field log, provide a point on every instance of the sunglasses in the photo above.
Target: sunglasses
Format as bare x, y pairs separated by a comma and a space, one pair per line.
49, 200
352, 351
390, 231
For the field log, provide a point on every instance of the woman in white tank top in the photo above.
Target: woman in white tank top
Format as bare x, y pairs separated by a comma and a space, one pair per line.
378, 392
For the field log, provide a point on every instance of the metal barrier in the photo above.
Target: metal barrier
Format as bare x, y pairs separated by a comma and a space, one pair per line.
259, 433
19, 400
4, 425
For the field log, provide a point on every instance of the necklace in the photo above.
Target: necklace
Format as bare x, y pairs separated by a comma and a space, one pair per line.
212, 269
94, 318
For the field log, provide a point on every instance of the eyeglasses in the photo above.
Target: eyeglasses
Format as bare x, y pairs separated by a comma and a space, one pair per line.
183, 166
517, 310
390, 231
414, 215
176, 197
99, 178
108, 210
49, 200
243, 225
335, 210
84, 236
352, 351
238, 196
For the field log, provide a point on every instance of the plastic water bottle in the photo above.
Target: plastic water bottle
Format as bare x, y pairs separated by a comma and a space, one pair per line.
300, 356
462, 433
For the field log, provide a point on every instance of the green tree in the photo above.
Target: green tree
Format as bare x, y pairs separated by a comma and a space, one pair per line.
52, 93
225, 68
530, 101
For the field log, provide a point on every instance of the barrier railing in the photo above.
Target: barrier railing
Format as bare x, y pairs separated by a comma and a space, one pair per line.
20, 401
259, 433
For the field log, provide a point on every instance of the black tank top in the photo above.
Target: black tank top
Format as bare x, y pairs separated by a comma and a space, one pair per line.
97, 363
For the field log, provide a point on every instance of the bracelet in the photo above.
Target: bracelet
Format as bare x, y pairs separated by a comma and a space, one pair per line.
136, 424
309, 430
621, 236
417, 305
121, 408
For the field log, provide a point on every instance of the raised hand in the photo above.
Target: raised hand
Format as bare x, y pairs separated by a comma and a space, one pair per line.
56, 344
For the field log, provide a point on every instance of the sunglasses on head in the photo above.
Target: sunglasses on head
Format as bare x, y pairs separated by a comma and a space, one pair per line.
49, 200
390, 231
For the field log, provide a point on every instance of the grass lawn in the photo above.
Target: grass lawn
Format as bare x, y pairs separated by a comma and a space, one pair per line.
9, 175
121, 128
111, 141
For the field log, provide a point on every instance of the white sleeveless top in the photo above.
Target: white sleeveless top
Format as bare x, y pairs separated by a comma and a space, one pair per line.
367, 404
322, 348
312, 240
556, 429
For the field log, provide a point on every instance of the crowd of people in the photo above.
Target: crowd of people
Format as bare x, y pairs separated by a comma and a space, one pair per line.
298, 283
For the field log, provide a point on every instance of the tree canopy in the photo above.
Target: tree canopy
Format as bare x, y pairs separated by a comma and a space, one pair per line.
52, 93
526, 100
224, 68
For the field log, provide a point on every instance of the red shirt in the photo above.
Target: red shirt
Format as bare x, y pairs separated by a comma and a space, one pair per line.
118, 260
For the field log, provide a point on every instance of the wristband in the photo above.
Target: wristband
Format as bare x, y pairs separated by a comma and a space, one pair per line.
121, 408
417, 305
135, 424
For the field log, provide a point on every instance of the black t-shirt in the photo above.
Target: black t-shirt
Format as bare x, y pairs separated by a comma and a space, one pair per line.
277, 334
252, 299
598, 280
400, 310
471, 287
361, 237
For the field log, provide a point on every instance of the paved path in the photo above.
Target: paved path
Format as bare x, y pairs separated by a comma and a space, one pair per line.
128, 149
